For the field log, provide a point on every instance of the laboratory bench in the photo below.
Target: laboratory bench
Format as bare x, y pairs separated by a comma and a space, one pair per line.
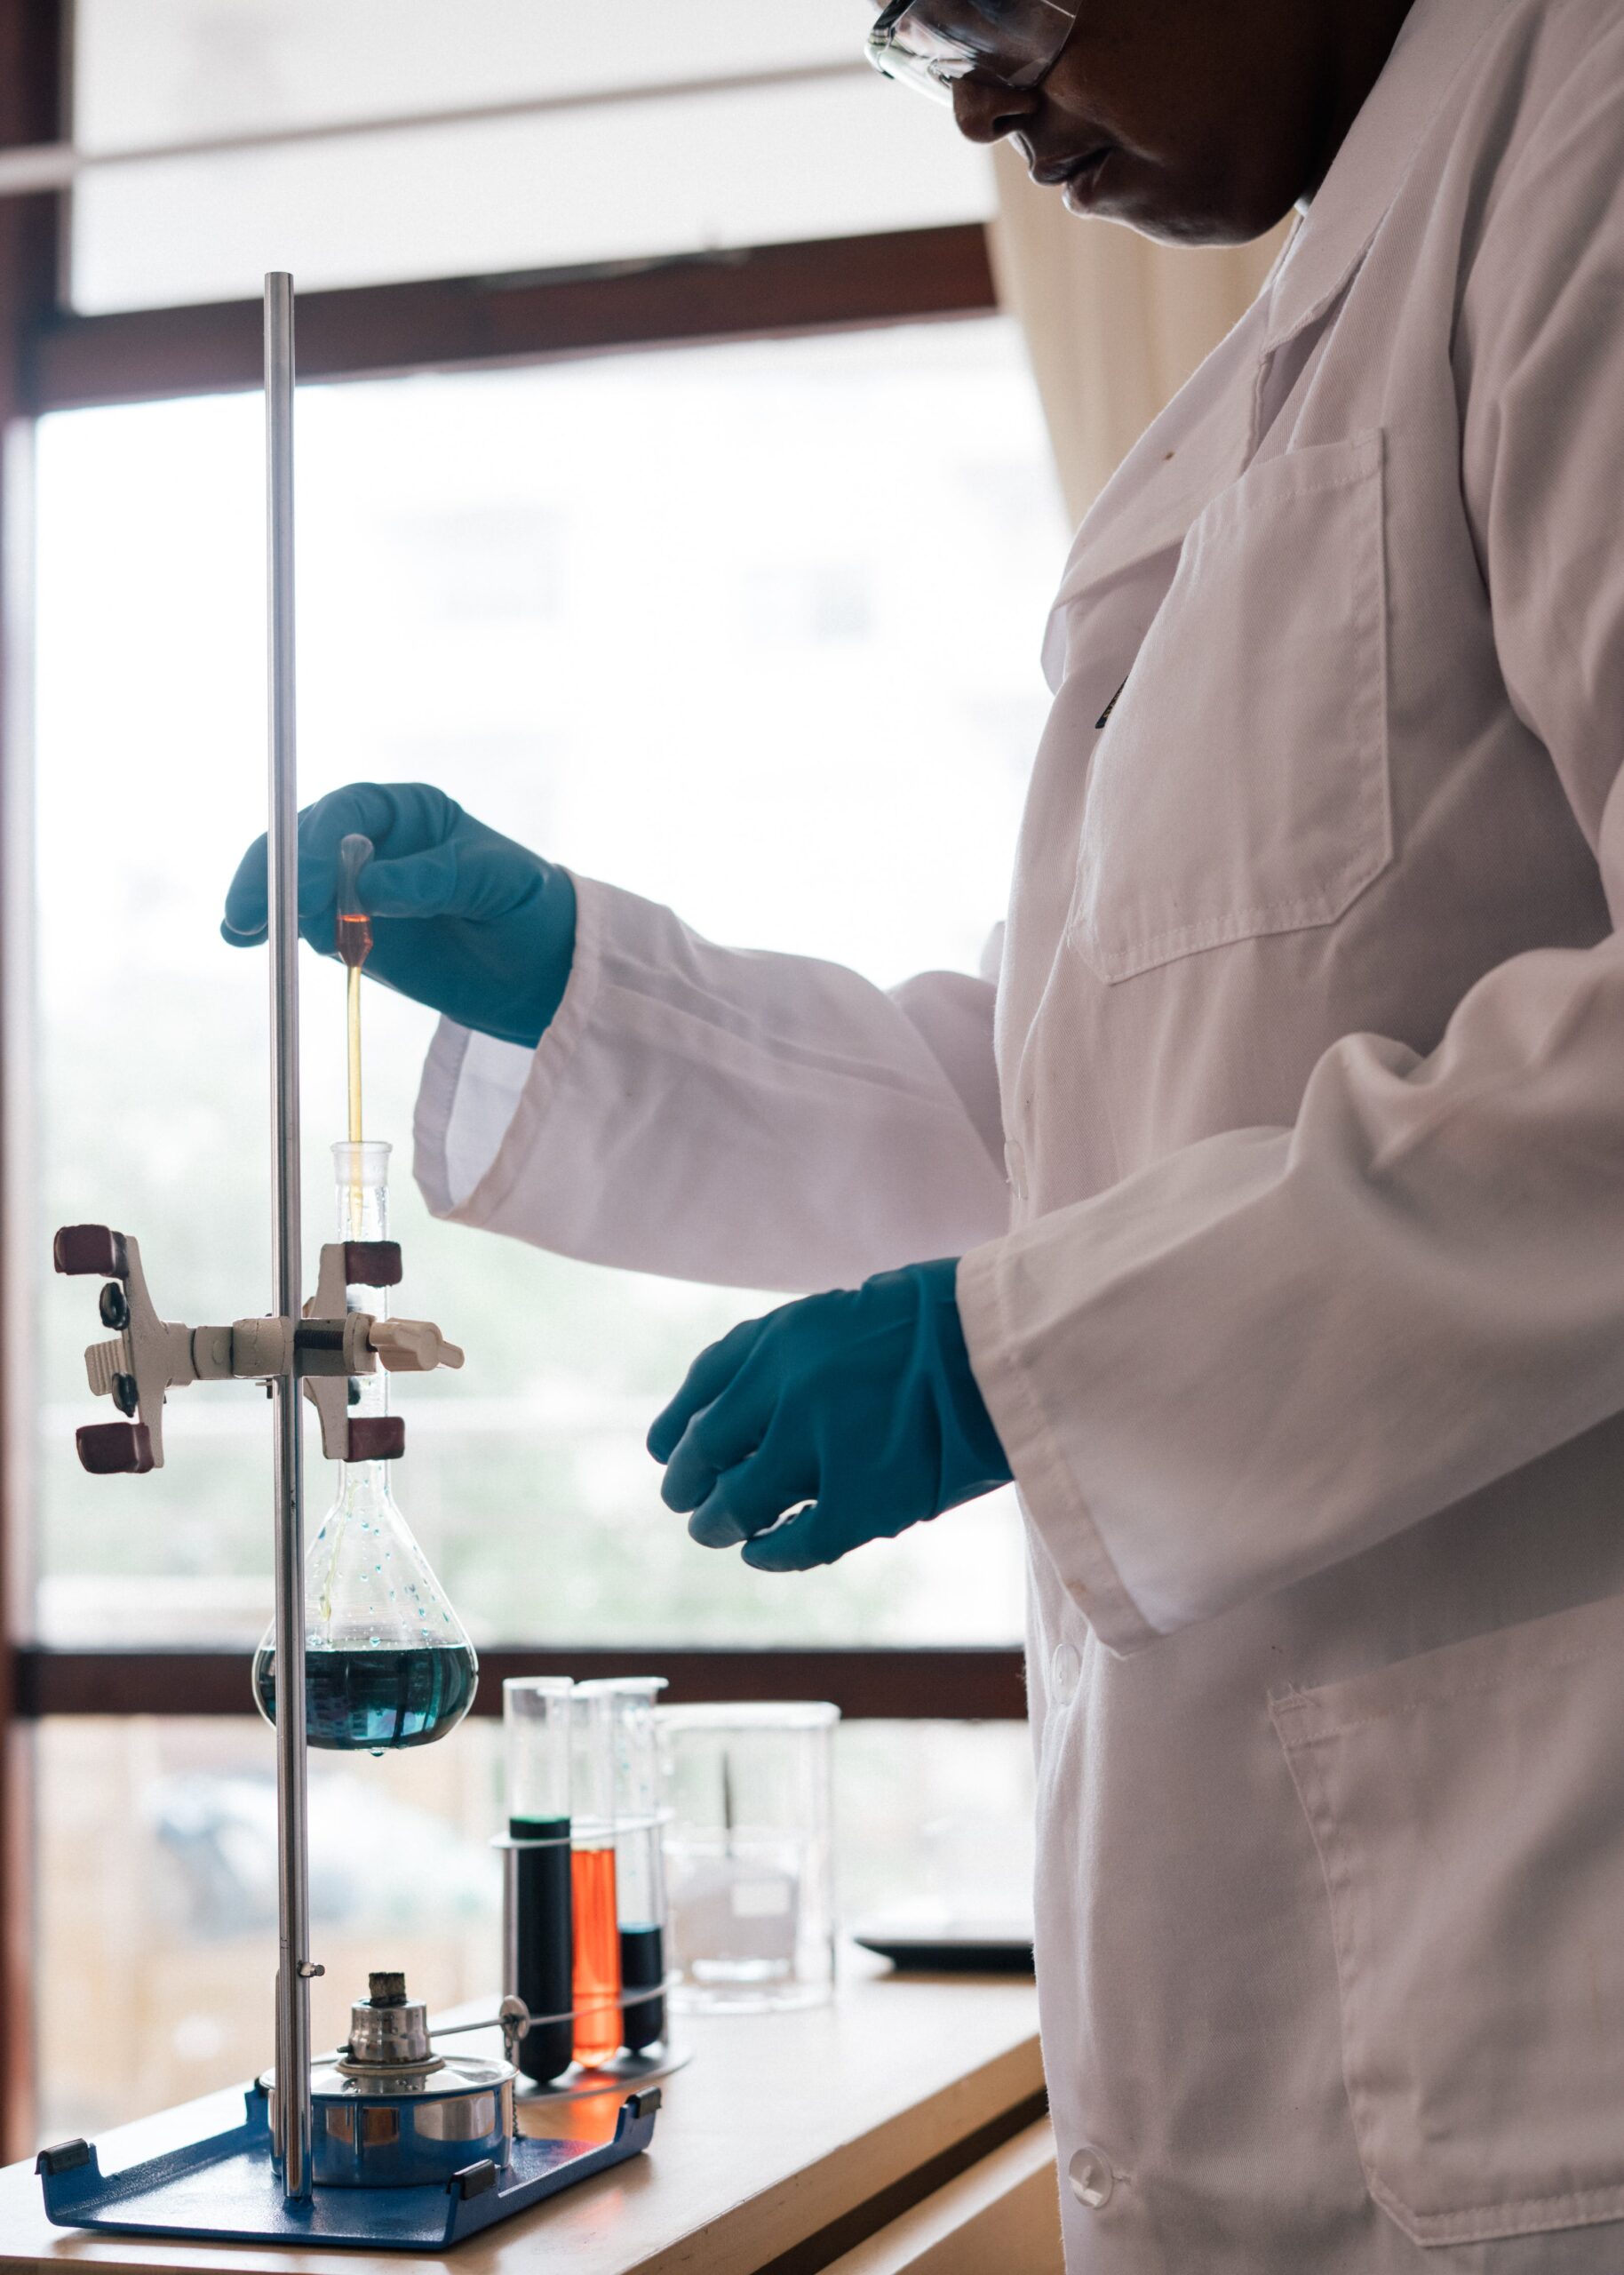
899, 2127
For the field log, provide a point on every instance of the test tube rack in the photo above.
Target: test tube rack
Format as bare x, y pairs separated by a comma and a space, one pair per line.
254, 2182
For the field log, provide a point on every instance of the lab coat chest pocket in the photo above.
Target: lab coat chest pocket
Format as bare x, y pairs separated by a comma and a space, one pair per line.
1468, 1807
1241, 785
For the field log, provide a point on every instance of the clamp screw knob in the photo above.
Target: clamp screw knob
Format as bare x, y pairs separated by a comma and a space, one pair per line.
114, 1305
127, 1397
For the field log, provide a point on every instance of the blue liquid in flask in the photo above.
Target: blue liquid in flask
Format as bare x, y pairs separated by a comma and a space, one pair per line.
371, 1701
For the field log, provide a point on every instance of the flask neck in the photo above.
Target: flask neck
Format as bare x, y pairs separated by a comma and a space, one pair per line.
363, 1212
365, 1487
361, 1177
361, 1183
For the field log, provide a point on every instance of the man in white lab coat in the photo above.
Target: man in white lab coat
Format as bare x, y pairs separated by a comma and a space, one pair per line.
1281, 1182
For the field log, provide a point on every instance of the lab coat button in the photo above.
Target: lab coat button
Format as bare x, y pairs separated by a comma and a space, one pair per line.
1092, 2178
1014, 1162
1065, 1665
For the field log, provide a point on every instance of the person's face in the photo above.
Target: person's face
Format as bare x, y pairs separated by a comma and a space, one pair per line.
1198, 121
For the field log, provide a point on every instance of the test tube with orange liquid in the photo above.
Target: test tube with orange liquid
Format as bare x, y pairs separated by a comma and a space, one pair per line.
640, 1862
596, 1988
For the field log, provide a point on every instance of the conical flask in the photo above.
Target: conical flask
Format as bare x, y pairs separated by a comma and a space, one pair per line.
386, 1664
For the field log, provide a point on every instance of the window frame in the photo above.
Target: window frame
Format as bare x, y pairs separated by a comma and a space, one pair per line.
374, 332
52, 360
921, 1683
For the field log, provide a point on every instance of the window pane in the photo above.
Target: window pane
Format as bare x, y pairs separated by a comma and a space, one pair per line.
156, 1889
832, 157
681, 621
174, 70
157, 1901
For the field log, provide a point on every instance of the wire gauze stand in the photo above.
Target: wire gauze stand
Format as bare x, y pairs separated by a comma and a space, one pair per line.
386, 2142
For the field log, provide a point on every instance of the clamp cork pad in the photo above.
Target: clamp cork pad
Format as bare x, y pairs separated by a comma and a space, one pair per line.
84, 1249
372, 1264
377, 1437
114, 1449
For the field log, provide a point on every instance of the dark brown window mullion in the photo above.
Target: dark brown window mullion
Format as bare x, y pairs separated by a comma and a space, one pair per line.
32, 109
918, 1684
375, 330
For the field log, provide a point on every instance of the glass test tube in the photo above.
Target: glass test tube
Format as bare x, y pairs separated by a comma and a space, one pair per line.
536, 1721
640, 1862
591, 1873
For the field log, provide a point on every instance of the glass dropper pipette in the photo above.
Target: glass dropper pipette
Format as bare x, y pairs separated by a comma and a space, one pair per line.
353, 939
387, 1663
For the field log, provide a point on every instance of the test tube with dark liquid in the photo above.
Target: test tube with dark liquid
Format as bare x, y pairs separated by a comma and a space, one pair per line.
640, 1860
536, 1722
592, 1867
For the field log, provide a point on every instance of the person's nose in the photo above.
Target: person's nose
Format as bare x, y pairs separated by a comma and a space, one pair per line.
986, 112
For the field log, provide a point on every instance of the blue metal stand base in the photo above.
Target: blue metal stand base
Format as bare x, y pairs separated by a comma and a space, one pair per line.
225, 2190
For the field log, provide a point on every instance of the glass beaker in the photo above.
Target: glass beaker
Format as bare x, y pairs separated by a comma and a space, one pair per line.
640, 1864
538, 1726
596, 1975
750, 1853
388, 1664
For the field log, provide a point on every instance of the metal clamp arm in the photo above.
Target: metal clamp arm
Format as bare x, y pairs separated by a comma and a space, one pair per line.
136, 1368
147, 1357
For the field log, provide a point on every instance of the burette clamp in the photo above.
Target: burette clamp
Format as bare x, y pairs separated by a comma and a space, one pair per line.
147, 1357
334, 1345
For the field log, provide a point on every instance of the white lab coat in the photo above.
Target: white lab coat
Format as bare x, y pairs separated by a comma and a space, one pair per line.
1305, 1330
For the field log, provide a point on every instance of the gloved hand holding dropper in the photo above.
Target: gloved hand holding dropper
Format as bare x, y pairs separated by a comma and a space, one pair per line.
463, 919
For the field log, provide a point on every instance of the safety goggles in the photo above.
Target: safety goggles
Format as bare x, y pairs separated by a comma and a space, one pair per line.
930, 43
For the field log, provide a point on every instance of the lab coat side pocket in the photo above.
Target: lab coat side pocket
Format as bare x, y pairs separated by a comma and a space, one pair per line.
1239, 785
1468, 1809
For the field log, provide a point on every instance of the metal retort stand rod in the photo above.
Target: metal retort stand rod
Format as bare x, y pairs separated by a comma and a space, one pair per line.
294, 1964
420, 2185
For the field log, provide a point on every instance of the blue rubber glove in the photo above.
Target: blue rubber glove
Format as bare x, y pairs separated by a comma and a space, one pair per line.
861, 1403
463, 920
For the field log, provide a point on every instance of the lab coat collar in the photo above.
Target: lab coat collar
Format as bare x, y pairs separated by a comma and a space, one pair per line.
1437, 39
1157, 492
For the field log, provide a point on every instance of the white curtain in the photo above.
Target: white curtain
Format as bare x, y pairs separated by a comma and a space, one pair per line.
1114, 324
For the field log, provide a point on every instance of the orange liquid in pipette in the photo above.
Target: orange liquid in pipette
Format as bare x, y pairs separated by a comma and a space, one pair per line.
596, 1994
354, 1053
355, 938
